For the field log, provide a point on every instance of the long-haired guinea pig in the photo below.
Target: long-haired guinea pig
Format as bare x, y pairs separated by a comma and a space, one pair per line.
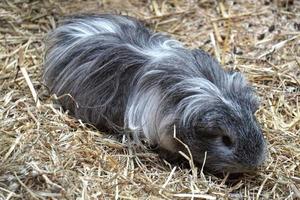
114, 73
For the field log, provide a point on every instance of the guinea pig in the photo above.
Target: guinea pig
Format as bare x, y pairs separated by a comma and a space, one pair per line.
116, 74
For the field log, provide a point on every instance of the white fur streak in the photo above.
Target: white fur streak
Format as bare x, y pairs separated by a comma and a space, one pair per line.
93, 28
141, 114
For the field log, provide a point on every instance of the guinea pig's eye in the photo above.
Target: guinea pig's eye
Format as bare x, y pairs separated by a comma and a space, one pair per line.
227, 141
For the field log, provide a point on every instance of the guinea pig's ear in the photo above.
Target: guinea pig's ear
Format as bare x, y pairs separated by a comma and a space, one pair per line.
210, 132
238, 85
254, 102
207, 122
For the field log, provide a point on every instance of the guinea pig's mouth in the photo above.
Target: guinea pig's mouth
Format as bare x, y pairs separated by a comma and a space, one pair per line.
233, 171
227, 167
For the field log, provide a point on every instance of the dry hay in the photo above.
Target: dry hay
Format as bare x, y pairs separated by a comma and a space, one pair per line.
45, 154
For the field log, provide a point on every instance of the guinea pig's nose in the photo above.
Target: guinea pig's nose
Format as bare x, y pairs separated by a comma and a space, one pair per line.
251, 156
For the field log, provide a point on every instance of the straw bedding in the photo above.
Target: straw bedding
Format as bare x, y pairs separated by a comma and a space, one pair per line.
46, 154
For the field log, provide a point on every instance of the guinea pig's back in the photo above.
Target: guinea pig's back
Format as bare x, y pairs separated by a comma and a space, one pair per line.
81, 39
88, 64
92, 63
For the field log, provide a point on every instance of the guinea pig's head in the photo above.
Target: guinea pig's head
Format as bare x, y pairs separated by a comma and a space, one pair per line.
218, 120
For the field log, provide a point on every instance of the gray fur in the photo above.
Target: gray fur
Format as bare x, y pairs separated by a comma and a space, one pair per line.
125, 77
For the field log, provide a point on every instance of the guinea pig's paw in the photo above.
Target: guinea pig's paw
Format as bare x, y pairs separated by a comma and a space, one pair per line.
174, 159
